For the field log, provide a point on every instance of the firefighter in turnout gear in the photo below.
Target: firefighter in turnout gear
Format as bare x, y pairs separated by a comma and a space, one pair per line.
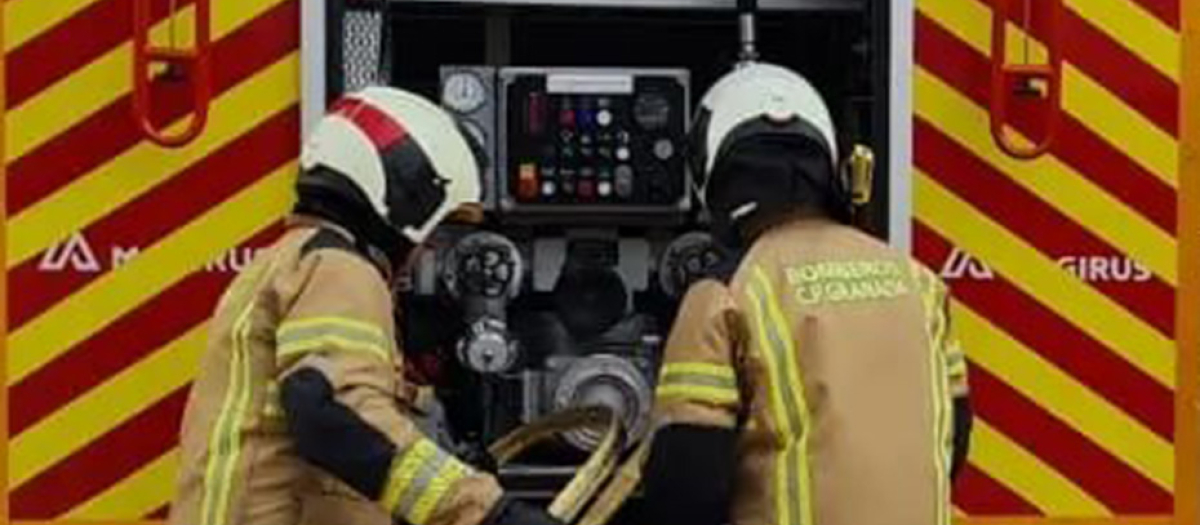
816, 382
300, 414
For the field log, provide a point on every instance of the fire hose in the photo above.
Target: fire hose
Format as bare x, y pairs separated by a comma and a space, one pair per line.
597, 478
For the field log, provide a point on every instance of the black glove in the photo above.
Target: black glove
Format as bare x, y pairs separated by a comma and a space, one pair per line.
509, 511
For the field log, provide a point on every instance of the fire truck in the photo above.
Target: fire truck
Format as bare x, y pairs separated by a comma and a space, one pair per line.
1042, 155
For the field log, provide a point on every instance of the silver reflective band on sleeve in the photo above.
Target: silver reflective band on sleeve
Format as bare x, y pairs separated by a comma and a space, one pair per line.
419, 479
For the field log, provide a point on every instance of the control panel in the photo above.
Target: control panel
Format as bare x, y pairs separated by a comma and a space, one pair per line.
593, 141
577, 145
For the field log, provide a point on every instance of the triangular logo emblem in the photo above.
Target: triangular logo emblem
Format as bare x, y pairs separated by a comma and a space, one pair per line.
75, 253
961, 265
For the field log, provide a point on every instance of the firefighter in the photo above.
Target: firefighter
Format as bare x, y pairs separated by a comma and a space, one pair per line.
299, 414
816, 380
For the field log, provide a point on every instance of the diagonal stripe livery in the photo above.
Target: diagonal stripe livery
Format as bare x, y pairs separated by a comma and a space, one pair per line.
979, 494
100, 362
108, 132
1071, 331
946, 57
1055, 339
153, 215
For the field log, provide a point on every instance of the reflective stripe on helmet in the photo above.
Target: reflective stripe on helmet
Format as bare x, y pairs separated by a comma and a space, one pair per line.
381, 129
373, 133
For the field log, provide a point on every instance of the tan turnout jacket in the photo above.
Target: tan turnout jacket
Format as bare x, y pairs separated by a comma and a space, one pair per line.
328, 309
832, 356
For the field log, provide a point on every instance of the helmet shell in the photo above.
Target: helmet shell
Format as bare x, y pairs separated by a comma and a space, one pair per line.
407, 156
756, 92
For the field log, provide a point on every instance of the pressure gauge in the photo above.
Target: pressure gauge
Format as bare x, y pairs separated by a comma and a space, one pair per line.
463, 92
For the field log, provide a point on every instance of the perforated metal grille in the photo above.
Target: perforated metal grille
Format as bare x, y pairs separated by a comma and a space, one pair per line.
363, 48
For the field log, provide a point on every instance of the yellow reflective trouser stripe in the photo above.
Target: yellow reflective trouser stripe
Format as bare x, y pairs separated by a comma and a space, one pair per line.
328, 333
704, 382
225, 442
940, 365
789, 408
419, 478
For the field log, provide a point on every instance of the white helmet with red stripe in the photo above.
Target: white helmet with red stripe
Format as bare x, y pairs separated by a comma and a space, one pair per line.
392, 153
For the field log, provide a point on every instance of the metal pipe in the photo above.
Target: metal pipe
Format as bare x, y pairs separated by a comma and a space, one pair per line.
747, 9
748, 36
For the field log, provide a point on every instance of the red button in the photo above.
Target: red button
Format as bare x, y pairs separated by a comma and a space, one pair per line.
566, 118
587, 189
527, 182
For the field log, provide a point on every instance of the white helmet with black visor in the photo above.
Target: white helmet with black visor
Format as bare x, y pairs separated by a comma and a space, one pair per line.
763, 141
389, 166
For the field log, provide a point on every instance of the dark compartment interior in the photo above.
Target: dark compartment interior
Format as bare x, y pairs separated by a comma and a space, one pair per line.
842, 52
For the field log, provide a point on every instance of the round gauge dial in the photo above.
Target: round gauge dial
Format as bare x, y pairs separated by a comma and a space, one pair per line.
652, 111
463, 92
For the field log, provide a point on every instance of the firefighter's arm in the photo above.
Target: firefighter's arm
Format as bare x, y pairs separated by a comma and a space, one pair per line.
338, 388
956, 370
688, 478
954, 363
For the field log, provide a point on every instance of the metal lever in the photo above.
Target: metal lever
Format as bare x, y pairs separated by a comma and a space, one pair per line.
195, 63
1026, 81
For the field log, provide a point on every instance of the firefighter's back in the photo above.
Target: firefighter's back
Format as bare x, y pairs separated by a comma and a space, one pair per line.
847, 419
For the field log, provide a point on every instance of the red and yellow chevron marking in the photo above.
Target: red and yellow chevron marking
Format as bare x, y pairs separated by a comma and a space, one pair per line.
109, 241
1074, 376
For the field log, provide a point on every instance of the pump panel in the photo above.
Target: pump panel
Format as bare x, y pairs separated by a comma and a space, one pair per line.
593, 141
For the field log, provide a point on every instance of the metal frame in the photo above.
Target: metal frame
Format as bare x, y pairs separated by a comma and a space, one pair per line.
313, 67
773, 5
900, 115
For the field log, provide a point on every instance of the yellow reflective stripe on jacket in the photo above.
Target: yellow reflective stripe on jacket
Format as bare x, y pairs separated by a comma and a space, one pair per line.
418, 480
225, 442
956, 370
944, 361
793, 475
702, 382
331, 333
272, 407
